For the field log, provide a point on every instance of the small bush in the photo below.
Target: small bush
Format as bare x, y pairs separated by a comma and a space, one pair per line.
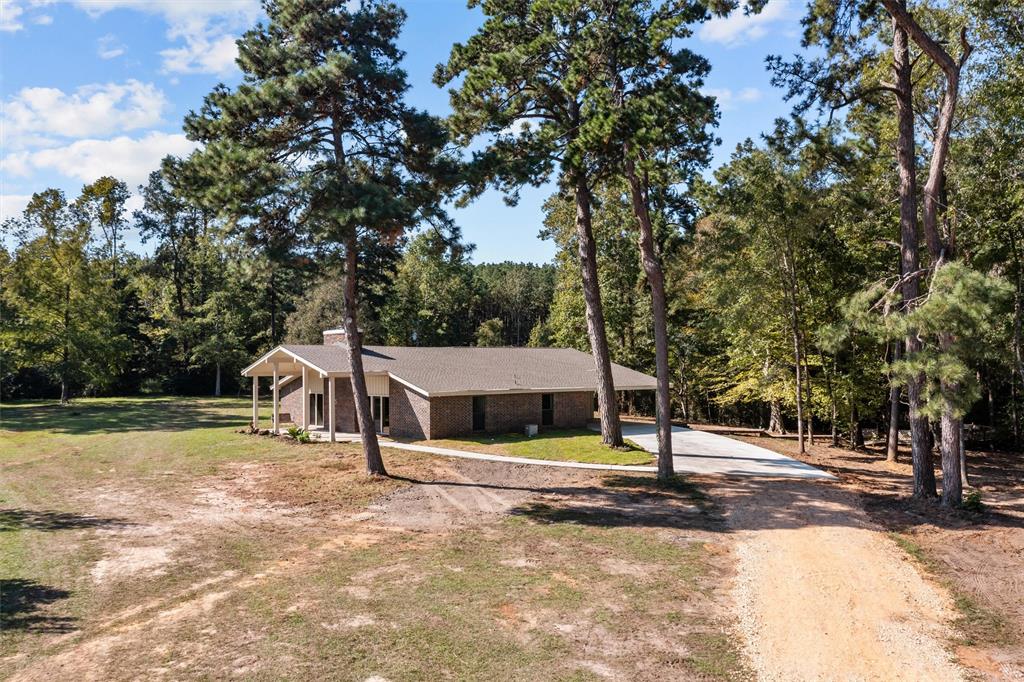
972, 501
299, 434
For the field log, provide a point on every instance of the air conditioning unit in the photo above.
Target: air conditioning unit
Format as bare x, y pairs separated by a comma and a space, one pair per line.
531, 430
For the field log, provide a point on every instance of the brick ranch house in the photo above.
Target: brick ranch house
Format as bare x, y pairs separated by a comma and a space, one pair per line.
425, 393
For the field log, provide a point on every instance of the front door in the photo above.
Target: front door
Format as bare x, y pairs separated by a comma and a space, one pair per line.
479, 411
380, 408
316, 409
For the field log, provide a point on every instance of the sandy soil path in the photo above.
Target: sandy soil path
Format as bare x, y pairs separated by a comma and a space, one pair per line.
822, 594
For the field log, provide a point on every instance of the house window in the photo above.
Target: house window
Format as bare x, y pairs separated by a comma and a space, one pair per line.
547, 409
479, 408
380, 408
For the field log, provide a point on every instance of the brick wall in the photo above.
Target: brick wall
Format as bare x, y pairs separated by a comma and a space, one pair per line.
414, 416
511, 412
409, 412
451, 416
573, 410
290, 396
345, 407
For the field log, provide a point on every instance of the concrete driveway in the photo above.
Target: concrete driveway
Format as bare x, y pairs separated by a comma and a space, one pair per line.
699, 452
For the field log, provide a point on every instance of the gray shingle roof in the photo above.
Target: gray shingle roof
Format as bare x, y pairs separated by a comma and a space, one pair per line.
463, 370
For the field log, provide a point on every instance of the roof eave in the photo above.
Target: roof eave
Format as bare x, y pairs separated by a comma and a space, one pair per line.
521, 389
295, 356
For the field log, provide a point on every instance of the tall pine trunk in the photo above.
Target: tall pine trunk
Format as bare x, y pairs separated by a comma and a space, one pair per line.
65, 359
656, 281
611, 429
807, 385
775, 417
832, 401
799, 391
350, 323
892, 442
794, 317
216, 382
964, 480
952, 476
350, 311
273, 304
920, 447
1018, 305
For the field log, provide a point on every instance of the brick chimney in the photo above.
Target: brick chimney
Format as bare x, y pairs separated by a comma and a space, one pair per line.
336, 337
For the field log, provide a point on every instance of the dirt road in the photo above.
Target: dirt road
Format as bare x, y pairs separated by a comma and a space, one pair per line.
822, 594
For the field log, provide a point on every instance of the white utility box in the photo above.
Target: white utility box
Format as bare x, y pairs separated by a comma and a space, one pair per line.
531, 430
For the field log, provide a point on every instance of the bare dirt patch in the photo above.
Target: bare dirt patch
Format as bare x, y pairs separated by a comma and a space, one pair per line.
561, 572
456, 494
165, 523
978, 557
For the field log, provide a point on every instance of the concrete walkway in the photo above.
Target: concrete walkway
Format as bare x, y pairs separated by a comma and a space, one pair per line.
696, 452
465, 454
699, 452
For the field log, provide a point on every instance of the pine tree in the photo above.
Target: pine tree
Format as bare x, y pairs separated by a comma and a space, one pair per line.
319, 121
847, 74
660, 141
525, 79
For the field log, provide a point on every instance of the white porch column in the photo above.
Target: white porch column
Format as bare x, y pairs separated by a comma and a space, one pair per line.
276, 406
255, 402
330, 406
305, 400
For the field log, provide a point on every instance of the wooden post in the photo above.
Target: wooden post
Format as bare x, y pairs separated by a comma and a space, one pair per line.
330, 405
255, 402
276, 424
305, 401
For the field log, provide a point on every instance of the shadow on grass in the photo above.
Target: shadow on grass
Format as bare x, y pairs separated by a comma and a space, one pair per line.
119, 415
632, 501
20, 602
621, 501
45, 520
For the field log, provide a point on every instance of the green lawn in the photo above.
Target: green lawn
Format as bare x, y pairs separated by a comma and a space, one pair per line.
146, 537
562, 445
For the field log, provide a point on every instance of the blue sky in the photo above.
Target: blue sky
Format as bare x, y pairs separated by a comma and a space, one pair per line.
96, 87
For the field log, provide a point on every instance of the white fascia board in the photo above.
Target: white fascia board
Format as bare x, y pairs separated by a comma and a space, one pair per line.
412, 386
510, 391
282, 349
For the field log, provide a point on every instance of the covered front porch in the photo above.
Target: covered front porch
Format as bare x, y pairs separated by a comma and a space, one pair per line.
314, 398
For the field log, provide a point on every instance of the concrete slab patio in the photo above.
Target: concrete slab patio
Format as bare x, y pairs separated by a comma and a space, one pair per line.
699, 452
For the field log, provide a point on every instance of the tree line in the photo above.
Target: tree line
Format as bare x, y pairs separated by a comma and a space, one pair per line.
856, 267
84, 315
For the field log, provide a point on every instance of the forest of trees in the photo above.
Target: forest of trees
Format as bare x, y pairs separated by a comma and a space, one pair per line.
856, 268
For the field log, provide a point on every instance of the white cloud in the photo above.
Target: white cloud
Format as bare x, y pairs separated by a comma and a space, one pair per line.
201, 54
34, 114
109, 47
207, 29
738, 28
130, 159
729, 100
11, 205
12, 14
